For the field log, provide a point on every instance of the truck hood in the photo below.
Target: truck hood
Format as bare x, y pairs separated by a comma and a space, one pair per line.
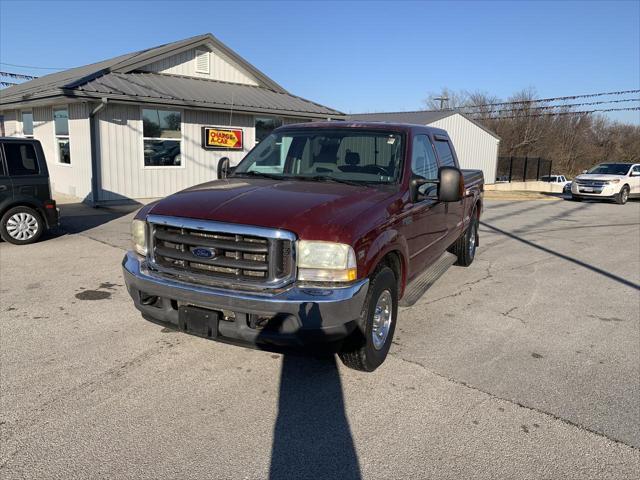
599, 177
312, 210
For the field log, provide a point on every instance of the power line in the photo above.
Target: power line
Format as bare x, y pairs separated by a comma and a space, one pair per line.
582, 112
17, 75
552, 107
555, 99
31, 66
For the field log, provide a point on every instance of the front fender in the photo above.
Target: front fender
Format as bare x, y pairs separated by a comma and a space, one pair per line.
376, 247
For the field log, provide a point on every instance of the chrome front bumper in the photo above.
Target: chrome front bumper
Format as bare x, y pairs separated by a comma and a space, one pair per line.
297, 315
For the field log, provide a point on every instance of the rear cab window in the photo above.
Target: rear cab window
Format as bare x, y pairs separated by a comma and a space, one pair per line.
21, 159
445, 154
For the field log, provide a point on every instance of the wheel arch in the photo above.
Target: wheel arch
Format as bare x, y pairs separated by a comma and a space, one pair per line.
395, 261
23, 202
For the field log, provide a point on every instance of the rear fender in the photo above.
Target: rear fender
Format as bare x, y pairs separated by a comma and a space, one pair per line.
27, 202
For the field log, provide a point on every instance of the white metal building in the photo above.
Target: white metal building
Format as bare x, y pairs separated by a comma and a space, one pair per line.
475, 146
133, 127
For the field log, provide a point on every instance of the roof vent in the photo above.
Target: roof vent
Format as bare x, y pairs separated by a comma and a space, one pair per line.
202, 61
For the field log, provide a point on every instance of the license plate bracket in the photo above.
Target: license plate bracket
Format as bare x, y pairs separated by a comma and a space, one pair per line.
198, 321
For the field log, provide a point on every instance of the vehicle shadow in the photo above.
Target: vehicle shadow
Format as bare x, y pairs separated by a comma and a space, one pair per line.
79, 217
568, 258
312, 438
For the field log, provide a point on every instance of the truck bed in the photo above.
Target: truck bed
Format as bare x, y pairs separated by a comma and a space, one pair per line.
472, 177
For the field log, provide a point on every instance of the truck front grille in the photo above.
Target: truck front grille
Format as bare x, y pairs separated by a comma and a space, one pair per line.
219, 253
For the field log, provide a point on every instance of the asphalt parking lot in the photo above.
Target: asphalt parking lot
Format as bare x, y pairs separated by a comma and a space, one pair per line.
524, 365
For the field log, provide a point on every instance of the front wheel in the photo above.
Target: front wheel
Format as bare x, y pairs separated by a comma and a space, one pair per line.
465, 247
623, 196
369, 345
21, 225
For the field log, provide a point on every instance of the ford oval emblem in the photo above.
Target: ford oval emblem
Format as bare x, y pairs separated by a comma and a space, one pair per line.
203, 252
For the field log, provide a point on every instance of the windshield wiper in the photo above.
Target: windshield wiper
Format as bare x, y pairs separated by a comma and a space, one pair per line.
272, 176
328, 178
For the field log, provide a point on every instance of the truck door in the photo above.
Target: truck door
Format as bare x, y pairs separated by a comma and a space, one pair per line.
453, 210
424, 220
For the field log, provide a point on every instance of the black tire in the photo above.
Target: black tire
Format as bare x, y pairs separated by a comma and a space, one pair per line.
465, 247
623, 196
359, 351
30, 215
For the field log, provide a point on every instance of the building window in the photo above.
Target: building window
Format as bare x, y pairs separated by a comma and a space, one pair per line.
161, 133
27, 124
266, 125
61, 123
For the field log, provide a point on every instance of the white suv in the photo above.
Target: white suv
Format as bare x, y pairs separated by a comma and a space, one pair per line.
608, 181
561, 179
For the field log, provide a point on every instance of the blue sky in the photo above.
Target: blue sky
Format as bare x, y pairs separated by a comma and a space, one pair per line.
357, 56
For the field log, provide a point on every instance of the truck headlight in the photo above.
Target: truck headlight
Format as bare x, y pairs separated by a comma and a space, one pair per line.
139, 236
326, 262
615, 180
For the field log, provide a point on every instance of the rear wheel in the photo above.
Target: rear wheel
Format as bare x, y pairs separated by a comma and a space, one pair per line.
21, 225
465, 247
369, 345
623, 196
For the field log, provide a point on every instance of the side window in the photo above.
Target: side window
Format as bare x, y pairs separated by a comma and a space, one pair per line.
423, 160
21, 159
445, 153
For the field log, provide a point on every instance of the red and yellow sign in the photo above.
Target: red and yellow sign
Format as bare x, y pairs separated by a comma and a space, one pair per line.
222, 138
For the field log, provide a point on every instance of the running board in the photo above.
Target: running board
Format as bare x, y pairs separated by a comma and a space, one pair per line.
417, 288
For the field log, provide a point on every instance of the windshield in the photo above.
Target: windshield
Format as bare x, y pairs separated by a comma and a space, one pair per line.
343, 155
610, 169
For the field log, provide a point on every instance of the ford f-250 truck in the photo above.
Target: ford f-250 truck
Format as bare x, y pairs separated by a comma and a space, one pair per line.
318, 235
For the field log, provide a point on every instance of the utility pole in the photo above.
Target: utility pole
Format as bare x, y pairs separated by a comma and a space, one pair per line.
442, 100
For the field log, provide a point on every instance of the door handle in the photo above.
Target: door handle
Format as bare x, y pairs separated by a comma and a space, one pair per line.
3, 188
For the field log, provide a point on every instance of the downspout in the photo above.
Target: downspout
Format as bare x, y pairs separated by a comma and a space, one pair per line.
94, 152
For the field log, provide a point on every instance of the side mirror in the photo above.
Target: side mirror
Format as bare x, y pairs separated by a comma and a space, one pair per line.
584, 171
224, 168
634, 173
450, 184
414, 188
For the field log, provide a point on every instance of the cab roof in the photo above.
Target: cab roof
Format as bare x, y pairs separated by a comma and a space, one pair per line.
386, 126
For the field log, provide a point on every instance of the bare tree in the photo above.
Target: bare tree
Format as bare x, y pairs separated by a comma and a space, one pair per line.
573, 142
446, 99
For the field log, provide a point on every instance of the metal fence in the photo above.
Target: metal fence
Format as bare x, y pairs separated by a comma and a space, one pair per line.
521, 169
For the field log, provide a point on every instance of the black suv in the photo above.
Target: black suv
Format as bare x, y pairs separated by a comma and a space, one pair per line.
26, 206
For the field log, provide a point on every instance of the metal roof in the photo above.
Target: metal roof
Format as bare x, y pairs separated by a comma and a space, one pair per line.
198, 92
422, 117
117, 78
419, 117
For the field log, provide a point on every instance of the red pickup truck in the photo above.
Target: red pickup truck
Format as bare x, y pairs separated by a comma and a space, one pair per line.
317, 236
